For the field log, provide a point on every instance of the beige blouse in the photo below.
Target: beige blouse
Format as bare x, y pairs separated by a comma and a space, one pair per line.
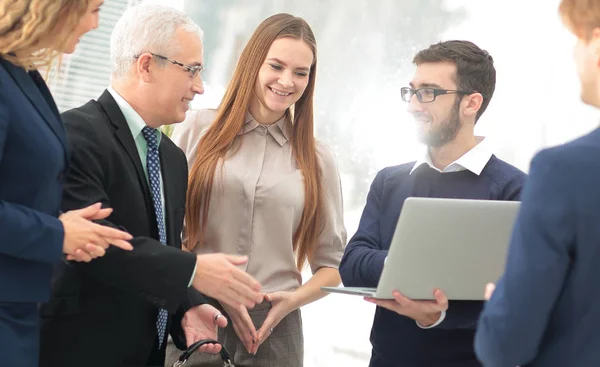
258, 199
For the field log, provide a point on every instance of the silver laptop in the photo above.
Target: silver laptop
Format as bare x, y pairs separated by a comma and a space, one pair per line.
456, 245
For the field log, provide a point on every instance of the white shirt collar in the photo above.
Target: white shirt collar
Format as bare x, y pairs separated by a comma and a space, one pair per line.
134, 120
474, 160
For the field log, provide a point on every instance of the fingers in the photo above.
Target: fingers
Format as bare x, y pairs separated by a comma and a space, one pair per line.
101, 214
111, 233
245, 295
248, 324
249, 281
91, 252
244, 327
114, 236
489, 290
88, 211
237, 260
274, 297
247, 287
230, 298
124, 245
387, 304
98, 240
243, 334
220, 320
402, 299
441, 299
210, 348
266, 326
265, 331
189, 339
94, 250
82, 256
207, 348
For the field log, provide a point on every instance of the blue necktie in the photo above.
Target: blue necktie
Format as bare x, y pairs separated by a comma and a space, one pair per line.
153, 168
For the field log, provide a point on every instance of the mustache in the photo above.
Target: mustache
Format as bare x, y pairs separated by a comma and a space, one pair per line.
420, 116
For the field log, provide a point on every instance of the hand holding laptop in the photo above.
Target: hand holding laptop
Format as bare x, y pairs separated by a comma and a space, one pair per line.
489, 290
426, 312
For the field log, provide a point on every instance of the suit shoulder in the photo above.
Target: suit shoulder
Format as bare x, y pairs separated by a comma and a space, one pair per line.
83, 115
502, 171
394, 173
580, 152
397, 171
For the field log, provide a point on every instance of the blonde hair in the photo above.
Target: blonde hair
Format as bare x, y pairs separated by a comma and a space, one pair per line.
581, 16
220, 136
25, 23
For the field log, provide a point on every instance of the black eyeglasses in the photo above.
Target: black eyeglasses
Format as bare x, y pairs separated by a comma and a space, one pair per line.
193, 70
427, 95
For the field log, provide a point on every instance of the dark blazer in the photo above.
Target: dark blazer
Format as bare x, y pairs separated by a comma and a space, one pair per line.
545, 310
103, 313
33, 158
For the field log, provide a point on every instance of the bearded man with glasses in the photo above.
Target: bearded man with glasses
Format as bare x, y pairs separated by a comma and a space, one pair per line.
452, 86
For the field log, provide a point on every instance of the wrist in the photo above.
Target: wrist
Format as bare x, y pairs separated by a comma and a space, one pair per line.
428, 320
295, 301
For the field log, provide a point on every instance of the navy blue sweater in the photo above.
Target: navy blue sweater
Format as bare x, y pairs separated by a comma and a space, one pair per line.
397, 340
545, 310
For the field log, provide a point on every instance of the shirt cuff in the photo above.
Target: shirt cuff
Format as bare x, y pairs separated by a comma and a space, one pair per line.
193, 275
439, 321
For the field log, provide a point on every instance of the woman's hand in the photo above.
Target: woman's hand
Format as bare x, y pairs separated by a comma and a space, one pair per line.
282, 303
243, 325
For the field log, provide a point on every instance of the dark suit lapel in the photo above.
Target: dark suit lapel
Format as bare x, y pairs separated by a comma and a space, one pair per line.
36, 90
124, 136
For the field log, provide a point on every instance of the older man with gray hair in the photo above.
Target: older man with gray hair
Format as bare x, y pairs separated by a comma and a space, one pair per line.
118, 310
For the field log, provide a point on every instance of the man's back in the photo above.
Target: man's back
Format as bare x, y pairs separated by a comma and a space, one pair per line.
546, 305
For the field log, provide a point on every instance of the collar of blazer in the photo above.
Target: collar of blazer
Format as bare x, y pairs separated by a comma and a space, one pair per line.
123, 134
35, 89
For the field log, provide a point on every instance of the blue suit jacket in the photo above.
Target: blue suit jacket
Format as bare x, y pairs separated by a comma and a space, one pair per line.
546, 308
33, 160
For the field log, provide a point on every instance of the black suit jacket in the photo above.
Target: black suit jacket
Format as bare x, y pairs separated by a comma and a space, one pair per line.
103, 313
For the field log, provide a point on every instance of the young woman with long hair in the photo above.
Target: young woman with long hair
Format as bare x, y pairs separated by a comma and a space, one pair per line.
261, 185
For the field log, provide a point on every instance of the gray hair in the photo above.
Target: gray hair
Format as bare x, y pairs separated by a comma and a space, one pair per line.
146, 28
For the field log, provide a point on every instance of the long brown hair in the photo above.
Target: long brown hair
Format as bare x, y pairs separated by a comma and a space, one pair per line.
24, 24
220, 136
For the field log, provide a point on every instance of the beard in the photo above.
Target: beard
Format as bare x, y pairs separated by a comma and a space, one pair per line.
445, 131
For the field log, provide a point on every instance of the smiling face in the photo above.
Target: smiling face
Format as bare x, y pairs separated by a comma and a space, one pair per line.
88, 22
282, 79
172, 87
438, 122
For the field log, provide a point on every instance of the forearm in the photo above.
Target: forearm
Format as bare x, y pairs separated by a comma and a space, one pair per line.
311, 290
362, 266
156, 272
29, 234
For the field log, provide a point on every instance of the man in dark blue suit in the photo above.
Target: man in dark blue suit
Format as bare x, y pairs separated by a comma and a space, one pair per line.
545, 310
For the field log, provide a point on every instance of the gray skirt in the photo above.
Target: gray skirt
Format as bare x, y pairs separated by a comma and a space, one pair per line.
283, 348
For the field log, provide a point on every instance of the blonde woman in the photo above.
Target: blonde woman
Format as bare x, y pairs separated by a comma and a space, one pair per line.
33, 159
261, 185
